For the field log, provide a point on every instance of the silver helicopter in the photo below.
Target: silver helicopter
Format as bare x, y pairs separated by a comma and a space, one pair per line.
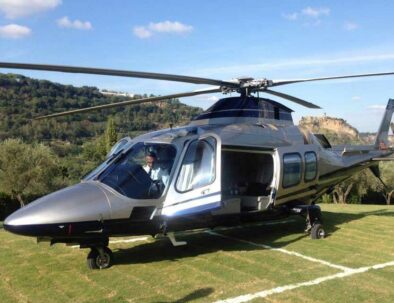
241, 160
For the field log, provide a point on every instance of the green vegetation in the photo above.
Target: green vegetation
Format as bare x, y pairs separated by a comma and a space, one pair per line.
364, 186
27, 170
22, 98
210, 268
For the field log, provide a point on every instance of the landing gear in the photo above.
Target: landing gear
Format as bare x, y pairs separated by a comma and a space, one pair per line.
317, 231
312, 214
100, 258
174, 242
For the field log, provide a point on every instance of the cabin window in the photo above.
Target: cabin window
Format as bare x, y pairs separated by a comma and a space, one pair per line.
291, 169
198, 165
310, 166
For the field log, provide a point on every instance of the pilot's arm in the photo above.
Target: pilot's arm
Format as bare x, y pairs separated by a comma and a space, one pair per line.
163, 176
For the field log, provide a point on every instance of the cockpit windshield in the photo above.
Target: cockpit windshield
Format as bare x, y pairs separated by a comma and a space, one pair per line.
142, 172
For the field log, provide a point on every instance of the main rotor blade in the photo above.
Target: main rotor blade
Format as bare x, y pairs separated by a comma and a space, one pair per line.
284, 82
291, 98
115, 72
132, 102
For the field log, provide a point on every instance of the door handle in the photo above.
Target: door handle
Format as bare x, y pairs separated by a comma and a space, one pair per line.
205, 191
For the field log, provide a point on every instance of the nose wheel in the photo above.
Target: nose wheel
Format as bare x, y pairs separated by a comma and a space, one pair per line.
100, 258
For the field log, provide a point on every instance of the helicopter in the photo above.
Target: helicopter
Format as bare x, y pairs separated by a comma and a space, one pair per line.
241, 160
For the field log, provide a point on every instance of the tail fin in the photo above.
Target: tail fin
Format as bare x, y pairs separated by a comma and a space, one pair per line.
381, 141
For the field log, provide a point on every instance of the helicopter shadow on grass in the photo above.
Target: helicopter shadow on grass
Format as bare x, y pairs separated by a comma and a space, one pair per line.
197, 294
333, 220
202, 243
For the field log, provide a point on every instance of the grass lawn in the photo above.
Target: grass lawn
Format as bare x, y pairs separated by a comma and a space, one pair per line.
213, 267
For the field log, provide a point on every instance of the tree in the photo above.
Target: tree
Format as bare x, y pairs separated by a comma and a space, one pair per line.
342, 191
27, 170
358, 185
111, 136
94, 150
387, 175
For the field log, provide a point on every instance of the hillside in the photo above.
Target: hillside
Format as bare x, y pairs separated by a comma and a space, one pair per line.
338, 131
369, 138
22, 98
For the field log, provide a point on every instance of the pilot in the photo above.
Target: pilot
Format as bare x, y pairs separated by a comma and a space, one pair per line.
155, 172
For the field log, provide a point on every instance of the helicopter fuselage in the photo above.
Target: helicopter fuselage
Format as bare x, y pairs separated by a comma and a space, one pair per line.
221, 170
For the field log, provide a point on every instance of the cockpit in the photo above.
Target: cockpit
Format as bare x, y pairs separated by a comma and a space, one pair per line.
140, 172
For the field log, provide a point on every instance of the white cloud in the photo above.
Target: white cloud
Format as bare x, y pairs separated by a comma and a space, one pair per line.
377, 107
212, 99
170, 27
316, 12
22, 8
356, 98
14, 31
350, 26
309, 16
65, 22
174, 27
291, 17
207, 98
142, 32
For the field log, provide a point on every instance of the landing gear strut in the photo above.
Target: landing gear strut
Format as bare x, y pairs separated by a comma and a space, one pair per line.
313, 217
100, 258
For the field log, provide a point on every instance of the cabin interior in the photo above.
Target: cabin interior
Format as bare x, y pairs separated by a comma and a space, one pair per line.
246, 180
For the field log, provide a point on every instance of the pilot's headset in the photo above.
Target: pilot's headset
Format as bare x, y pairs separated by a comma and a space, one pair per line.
150, 151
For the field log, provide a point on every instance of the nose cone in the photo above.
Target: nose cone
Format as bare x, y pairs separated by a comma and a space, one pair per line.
83, 202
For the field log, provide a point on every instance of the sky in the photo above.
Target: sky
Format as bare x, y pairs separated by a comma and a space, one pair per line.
220, 39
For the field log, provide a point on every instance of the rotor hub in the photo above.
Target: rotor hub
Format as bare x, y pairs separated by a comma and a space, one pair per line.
255, 84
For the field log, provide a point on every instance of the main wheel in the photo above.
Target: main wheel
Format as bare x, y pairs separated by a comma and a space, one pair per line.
97, 260
317, 231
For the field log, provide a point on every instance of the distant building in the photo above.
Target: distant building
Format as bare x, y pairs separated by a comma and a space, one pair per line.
115, 93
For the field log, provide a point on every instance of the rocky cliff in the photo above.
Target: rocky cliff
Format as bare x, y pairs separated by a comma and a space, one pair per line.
338, 131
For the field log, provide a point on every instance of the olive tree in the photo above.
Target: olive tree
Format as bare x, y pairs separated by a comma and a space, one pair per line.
110, 136
27, 170
387, 175
358, 185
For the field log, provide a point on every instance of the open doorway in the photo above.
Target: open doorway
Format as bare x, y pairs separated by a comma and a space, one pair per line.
247, 177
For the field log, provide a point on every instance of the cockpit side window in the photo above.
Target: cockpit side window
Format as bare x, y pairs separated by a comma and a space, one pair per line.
198, 165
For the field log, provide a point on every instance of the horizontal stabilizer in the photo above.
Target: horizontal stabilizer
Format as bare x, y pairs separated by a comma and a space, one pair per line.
354, 150
384, 159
